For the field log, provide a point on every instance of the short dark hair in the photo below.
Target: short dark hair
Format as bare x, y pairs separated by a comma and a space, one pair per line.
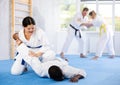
56, 73
28, 21
91, 13
85, 9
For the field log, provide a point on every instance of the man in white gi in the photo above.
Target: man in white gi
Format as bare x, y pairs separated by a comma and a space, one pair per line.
75, 31
106, 35
56, 69
36, 41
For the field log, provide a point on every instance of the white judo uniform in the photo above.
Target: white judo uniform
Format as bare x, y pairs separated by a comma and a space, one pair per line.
105, 38
41, 69
37, 43
71, 33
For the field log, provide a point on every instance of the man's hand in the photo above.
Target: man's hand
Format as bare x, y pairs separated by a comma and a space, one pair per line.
82, 24
88, 25
33, 54
76, 78
79, 20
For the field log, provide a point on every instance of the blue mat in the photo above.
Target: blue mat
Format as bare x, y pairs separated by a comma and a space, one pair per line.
104, 71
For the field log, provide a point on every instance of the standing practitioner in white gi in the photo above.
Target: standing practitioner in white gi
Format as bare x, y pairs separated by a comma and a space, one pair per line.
106, 35
75, 31
36, 41
56, 69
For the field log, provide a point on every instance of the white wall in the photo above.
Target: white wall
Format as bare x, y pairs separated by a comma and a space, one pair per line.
4, 29
117, 43
45, 14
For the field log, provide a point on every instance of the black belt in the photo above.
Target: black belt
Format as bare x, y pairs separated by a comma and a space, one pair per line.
76, 30
34, 47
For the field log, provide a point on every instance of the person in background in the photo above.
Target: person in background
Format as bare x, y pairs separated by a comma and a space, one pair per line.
56, 69
37, 43
75, 31
105, 35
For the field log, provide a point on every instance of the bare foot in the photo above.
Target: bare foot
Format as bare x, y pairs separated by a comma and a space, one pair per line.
112, 56
62, 56
95, 58
82, 56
